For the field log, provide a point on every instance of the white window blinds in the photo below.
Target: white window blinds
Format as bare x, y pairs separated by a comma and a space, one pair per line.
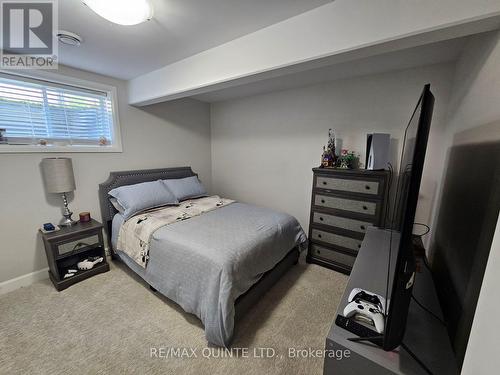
41, 112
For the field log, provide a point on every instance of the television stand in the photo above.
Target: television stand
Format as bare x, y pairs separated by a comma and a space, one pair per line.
425, 336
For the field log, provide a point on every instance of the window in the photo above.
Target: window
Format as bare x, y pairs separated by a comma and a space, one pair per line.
41, 115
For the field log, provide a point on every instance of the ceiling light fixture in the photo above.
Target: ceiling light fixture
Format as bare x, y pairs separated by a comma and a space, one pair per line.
122, 12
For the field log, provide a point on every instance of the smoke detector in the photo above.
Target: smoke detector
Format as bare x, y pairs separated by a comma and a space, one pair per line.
69, 38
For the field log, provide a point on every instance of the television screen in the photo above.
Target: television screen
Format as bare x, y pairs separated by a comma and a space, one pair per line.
405, 205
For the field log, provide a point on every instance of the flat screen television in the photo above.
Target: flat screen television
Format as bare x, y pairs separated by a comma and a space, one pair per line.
404, 208
401, 221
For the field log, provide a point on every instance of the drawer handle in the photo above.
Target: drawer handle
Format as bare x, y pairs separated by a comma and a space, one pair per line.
362, 227
367, 187
320, 218
322, 201
325, 183
319, 235
365, 208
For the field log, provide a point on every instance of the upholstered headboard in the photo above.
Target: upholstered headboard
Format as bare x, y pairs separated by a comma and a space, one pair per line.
122, 178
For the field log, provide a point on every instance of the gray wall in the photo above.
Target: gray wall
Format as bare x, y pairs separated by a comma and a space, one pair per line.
264, 146
474, 116
162, 135
482, 350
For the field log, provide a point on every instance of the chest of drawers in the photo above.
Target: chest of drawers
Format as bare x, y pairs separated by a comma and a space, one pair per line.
344, 204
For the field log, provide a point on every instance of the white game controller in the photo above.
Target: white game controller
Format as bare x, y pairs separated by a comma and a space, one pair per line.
368, 305
369, 297
88, 264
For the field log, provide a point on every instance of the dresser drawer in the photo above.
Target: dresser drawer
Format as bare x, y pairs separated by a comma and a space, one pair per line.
335, 239
332, 255
341, 222
85, 242
344, 184
362, 207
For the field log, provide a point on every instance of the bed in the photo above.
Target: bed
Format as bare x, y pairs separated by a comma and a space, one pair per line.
216, 265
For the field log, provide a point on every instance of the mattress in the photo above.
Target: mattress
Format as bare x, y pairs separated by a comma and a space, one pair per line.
205, 263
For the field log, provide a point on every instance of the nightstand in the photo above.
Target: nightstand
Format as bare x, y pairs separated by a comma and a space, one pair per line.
70, 245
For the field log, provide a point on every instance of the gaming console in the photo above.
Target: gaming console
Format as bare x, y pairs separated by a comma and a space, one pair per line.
377, 151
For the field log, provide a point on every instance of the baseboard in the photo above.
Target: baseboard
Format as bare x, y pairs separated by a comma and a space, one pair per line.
23, 281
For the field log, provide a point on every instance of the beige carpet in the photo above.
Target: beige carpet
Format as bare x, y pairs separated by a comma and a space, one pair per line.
109, 323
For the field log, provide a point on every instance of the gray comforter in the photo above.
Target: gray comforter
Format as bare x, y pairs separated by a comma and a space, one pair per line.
205, 263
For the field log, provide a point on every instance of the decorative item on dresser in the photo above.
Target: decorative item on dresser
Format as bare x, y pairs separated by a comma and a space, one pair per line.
344, 204
70, 246
329, 156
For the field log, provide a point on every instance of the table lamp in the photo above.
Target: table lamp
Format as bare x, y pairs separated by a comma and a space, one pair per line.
58, 177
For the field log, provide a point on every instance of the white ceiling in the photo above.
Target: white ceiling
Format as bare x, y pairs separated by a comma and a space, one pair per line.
179, 29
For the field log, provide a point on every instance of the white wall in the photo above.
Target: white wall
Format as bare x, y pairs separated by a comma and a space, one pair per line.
263, 147
162, 135
475, 102
482, 351
476, 93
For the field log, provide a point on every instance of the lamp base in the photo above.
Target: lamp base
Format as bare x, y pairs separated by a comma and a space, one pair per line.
67, 221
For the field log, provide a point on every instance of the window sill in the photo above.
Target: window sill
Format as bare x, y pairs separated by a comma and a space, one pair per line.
24, 149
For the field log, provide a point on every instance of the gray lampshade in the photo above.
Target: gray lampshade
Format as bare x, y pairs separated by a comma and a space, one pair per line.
58, 175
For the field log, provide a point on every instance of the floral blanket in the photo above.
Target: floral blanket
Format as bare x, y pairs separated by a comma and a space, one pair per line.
135, 234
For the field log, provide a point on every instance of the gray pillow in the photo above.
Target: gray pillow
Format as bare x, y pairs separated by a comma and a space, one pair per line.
185, 188
117, 205
140, 197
